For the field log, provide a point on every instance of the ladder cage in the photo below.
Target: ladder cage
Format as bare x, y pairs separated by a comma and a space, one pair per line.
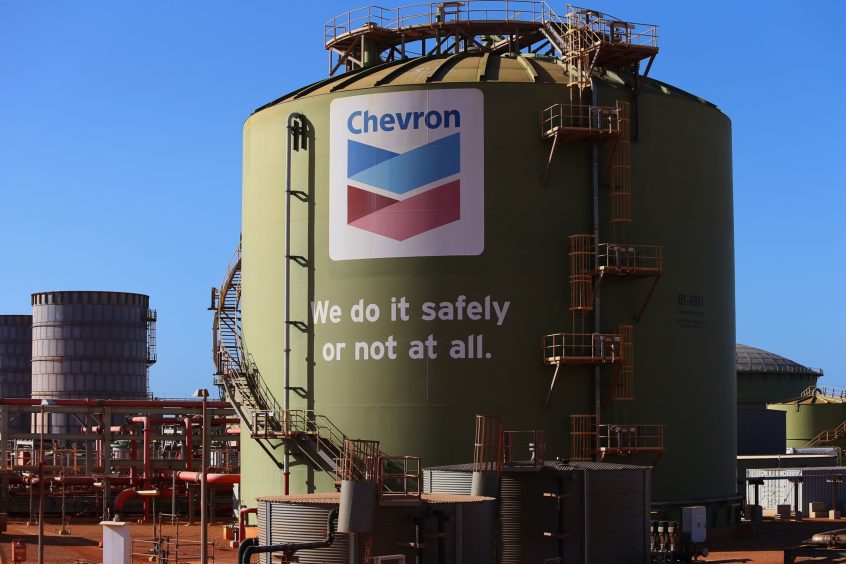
488, 444
582, 437
621, 170
582, 260
624, 387
359, 460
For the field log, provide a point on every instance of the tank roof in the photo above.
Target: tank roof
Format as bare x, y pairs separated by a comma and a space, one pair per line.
466, 67
751, 359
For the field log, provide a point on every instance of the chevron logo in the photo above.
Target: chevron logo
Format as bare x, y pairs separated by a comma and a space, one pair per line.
396, 216
406, 174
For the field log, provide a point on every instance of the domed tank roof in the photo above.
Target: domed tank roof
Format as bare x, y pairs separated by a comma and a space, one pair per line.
466, 67
751, 359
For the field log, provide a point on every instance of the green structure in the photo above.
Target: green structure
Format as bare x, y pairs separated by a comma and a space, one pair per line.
817, 419
427, 258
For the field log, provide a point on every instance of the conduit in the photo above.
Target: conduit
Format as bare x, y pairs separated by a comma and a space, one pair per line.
250, 546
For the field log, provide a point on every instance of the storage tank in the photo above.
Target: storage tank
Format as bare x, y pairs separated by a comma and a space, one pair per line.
764, 377
415, 305
16, 361
815, 420
94, 345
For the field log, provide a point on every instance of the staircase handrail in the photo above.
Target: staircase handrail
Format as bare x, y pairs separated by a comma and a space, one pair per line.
827, 436
825, 391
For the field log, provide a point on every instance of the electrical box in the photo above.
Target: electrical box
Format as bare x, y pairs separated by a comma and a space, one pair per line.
694, 523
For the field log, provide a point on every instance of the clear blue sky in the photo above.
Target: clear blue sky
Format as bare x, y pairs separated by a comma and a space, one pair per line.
120, 151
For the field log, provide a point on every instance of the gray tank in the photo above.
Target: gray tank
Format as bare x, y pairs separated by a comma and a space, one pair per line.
95, 345
16, 361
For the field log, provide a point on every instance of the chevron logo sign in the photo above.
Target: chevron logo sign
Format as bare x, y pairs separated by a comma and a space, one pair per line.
406, 175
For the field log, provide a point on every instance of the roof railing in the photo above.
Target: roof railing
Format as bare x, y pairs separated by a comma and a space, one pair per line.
432, 13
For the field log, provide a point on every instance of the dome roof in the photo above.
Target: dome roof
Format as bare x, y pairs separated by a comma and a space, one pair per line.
751, 359
466, 68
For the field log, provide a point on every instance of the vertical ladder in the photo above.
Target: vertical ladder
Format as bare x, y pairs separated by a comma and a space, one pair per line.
297, 133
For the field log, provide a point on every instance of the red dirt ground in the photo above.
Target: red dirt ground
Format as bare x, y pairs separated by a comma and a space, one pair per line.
726, 547
82, 543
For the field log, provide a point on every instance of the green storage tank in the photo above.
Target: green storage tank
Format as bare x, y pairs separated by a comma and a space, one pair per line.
435, 258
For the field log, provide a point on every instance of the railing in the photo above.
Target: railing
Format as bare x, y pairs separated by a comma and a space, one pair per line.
524, 448
627, 258
487, 447
595, 120
399, 478
278, 423
630, 439
611, 30
835, 393
433, 13
582, 348
360, 460
827, 436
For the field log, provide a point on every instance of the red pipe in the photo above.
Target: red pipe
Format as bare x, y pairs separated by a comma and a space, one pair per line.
189, 443
242, 521
98, 429
132, 493
210, 478
118, 403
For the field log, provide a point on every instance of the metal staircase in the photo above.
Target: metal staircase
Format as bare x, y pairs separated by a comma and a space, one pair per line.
309, 435
828, 436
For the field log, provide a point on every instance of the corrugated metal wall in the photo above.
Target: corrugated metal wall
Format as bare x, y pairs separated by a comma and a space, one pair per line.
619, 516
778, 490
448, 482
287, 522
393, 531
16, 362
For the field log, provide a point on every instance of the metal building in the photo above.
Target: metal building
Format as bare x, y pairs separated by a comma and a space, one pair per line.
15, 363
471, 187
90, 345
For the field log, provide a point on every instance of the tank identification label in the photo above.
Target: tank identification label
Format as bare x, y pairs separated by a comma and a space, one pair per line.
406, 177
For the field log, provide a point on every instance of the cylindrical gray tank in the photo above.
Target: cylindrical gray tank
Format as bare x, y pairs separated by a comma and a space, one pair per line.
454, 529
16, 361
89, 345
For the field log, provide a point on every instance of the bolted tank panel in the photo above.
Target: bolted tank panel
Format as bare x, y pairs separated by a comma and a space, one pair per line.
417, 325
89, 345
16, 361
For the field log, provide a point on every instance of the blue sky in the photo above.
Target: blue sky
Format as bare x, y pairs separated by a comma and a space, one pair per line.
120, 152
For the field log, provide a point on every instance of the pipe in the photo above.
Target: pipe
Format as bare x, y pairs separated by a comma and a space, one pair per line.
122, 498
597, 319
210, 478
418, 539
117, 403
242, 522
247, 549
98, 429
189, 443
441, 535
132, 493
